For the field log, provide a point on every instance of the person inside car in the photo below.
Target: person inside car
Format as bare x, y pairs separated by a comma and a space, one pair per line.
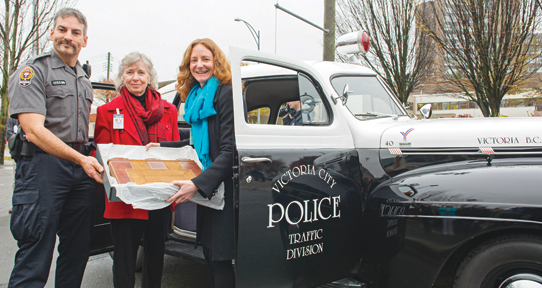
291, 113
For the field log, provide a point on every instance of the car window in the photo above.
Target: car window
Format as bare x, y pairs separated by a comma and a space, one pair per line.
169, 94
276, 95
367, 98
103, 93
259, 116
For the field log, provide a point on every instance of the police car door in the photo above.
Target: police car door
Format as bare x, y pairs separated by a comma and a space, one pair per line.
299, 195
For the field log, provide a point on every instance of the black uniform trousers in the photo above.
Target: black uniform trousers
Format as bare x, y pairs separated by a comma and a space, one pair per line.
52, 197
127, 235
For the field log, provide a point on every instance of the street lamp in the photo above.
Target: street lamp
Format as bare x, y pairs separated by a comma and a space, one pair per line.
255, 34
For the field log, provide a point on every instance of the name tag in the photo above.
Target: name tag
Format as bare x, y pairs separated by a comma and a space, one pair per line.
58, 82
118, 121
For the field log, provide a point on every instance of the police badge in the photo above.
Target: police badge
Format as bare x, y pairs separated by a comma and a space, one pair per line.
26, 75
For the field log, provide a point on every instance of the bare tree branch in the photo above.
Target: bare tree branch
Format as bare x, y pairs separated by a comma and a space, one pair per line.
399, 54
488, 46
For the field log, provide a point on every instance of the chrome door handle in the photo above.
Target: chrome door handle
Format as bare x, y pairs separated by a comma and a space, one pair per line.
255, 160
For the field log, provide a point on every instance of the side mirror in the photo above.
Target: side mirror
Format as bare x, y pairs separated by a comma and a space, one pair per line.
346, 91
344, 96
426, 111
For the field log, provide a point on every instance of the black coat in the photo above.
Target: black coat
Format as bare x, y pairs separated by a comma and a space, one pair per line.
216, 228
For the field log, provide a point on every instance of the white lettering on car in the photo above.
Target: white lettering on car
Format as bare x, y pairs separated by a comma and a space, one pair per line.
498, 140
304, 251
308, 213
306, 236
301, 170
530, 140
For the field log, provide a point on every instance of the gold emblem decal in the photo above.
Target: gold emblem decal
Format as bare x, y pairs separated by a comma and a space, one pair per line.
26, 75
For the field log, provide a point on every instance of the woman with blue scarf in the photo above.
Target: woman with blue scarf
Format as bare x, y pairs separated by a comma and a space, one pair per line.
204, 83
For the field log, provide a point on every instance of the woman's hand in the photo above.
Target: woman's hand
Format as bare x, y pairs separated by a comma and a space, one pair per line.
186, 191
152, 144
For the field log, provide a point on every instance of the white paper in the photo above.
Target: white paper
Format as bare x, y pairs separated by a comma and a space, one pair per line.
153, 196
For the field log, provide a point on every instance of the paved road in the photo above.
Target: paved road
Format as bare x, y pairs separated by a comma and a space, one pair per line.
178, 272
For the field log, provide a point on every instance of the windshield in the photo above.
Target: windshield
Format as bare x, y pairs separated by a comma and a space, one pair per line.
367, 98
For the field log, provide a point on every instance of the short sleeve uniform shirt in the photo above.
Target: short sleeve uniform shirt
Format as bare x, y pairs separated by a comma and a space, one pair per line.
48, 86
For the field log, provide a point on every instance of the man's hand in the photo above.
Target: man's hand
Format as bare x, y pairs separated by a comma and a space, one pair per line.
92, 168
185, 193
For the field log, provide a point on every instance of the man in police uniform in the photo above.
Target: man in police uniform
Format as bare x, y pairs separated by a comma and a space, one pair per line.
51, 96
291, 114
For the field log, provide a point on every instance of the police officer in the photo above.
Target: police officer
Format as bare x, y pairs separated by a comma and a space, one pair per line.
291, 113
54, 186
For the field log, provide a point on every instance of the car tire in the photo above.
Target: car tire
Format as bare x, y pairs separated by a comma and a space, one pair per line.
139, 257
500, 262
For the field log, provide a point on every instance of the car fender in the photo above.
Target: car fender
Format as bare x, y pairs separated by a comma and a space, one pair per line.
426, 215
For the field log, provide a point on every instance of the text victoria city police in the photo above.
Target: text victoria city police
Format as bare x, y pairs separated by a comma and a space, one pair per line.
305, 211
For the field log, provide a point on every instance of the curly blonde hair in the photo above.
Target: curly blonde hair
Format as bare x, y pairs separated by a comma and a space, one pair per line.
222, 67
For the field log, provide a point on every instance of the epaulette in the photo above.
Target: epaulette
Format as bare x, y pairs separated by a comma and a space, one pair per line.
34, 58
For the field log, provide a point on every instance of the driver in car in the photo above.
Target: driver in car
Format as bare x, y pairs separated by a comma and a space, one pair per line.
291, 113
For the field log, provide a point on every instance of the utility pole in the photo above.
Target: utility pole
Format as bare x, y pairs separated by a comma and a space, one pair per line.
329, 24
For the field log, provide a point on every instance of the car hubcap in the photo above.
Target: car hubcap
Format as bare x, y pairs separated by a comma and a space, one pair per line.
525, 280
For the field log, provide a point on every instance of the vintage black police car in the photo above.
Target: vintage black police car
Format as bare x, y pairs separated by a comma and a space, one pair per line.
362, 192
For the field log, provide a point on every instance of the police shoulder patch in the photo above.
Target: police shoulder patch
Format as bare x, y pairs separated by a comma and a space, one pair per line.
26, 76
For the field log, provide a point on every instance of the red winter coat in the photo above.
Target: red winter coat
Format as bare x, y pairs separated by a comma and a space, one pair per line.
104, 133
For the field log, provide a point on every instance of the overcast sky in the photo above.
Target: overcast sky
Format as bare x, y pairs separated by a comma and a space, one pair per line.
163, 29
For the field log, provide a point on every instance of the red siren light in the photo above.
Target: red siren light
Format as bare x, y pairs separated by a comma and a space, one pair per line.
365, 42
353, 43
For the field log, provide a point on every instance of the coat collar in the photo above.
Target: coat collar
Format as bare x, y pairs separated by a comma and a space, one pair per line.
129, 126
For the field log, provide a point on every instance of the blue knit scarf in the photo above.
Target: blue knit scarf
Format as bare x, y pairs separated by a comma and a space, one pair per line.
197, 108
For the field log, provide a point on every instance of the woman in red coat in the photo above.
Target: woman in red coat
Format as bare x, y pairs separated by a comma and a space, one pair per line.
141, 117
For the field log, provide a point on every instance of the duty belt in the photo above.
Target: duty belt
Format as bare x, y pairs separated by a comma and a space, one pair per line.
79, 147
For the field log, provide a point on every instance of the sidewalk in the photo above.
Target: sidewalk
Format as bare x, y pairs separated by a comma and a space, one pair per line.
6, 185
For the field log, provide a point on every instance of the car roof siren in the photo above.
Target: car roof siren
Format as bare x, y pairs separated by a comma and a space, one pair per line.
353, 43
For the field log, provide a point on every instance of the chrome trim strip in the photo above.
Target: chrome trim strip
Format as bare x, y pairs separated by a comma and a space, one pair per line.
473, 203
255, 160
463, 218
184, 233
471, 153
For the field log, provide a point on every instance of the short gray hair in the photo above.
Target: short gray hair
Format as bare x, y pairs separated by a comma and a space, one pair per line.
65, 12
131, 59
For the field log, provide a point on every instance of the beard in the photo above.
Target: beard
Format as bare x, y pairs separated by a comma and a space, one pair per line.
63, 49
